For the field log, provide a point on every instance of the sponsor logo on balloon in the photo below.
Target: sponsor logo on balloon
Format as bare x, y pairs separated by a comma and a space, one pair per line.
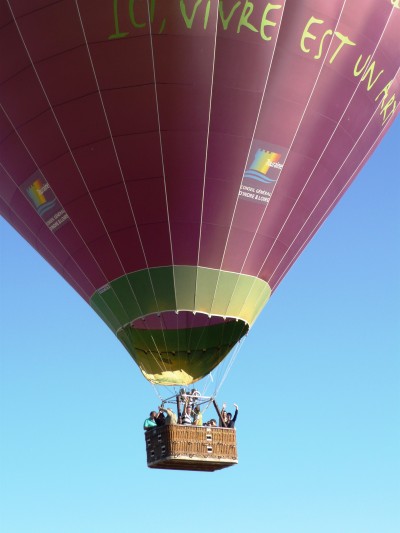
261, 176
39, 192
263, 161
36, 193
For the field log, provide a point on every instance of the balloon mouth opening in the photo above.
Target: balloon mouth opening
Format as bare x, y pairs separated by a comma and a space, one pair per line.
180, 347
179, 320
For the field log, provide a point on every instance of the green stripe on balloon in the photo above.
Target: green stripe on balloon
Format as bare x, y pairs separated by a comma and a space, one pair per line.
178, 288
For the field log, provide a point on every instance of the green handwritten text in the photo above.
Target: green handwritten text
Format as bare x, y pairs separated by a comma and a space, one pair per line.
240, 16
312, 42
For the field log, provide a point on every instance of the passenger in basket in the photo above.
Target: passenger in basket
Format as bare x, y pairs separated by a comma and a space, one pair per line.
223, 421
160, 419
187, 416
198, 417
150, 422
170, 418
212, 423
194, 396
231, 421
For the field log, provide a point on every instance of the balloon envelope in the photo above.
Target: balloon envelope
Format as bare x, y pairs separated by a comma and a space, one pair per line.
172, 159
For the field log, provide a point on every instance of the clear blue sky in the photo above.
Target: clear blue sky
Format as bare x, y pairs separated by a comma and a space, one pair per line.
317, 383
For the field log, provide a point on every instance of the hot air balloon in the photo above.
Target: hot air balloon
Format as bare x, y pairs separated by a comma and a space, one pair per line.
171, 159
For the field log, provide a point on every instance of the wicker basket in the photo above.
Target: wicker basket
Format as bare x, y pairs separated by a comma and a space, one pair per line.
179, 447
